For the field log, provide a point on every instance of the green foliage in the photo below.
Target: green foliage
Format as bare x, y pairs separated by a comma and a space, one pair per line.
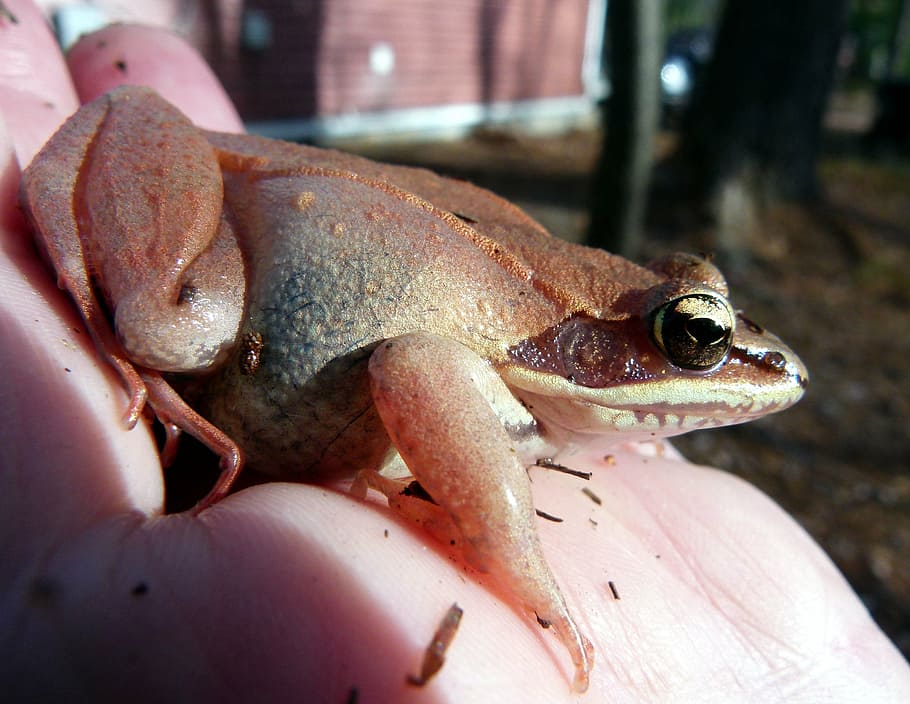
875, 28
689, 14
878, 37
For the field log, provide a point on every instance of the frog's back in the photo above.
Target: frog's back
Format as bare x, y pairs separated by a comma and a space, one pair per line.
579, 279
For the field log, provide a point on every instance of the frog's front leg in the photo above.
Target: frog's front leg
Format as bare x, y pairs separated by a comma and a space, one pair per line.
450, 416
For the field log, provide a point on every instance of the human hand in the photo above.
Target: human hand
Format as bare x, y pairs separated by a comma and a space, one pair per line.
290, 592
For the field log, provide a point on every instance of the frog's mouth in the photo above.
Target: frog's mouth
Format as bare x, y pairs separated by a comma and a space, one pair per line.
740, 390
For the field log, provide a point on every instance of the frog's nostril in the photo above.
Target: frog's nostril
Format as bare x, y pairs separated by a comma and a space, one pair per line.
774, 360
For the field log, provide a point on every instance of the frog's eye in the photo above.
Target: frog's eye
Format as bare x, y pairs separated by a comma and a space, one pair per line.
694, 331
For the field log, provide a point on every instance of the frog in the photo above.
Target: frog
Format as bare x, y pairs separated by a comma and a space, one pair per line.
317, 316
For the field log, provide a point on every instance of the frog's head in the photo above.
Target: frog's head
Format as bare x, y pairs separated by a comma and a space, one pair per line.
668, 359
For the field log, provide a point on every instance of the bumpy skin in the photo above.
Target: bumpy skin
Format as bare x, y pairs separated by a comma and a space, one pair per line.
335, 266
338, 263
392, 309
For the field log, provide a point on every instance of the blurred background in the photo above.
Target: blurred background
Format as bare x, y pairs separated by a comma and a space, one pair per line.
775, 135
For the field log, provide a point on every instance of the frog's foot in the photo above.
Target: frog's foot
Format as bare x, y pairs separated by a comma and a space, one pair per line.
174, 414
417, 506
446, 412
408, 498
135, 388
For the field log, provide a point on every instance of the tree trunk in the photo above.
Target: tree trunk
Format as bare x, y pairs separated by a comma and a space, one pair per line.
620, 186
900, 41
755, 126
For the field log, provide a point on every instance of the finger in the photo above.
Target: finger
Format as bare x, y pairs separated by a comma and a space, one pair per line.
65, 457
63, 448
154, 57
35, 91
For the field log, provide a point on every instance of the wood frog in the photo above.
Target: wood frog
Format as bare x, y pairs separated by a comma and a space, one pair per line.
325, 316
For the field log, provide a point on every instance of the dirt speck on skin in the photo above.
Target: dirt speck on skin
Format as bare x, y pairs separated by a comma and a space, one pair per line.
834, 283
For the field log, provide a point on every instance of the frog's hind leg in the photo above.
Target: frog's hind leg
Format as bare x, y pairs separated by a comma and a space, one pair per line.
176, 415
444, 409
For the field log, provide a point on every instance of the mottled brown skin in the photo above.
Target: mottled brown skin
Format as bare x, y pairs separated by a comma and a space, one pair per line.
330, 316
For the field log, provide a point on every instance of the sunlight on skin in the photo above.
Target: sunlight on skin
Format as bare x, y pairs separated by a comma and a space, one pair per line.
282, 588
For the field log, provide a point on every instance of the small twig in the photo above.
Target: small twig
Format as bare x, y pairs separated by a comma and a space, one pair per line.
434, 656
613, 590
5, 12
548, 516
548, 463
591, 495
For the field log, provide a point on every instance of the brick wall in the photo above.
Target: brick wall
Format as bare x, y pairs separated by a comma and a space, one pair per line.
292, 60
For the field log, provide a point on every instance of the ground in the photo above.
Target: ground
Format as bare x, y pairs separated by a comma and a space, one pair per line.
833, 282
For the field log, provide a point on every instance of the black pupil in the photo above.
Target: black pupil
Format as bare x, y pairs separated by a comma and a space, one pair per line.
705, 331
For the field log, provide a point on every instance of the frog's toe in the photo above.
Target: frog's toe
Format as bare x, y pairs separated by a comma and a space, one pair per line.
580, 648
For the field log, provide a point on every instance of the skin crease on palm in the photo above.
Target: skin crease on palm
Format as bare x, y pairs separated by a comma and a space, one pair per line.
288, 592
